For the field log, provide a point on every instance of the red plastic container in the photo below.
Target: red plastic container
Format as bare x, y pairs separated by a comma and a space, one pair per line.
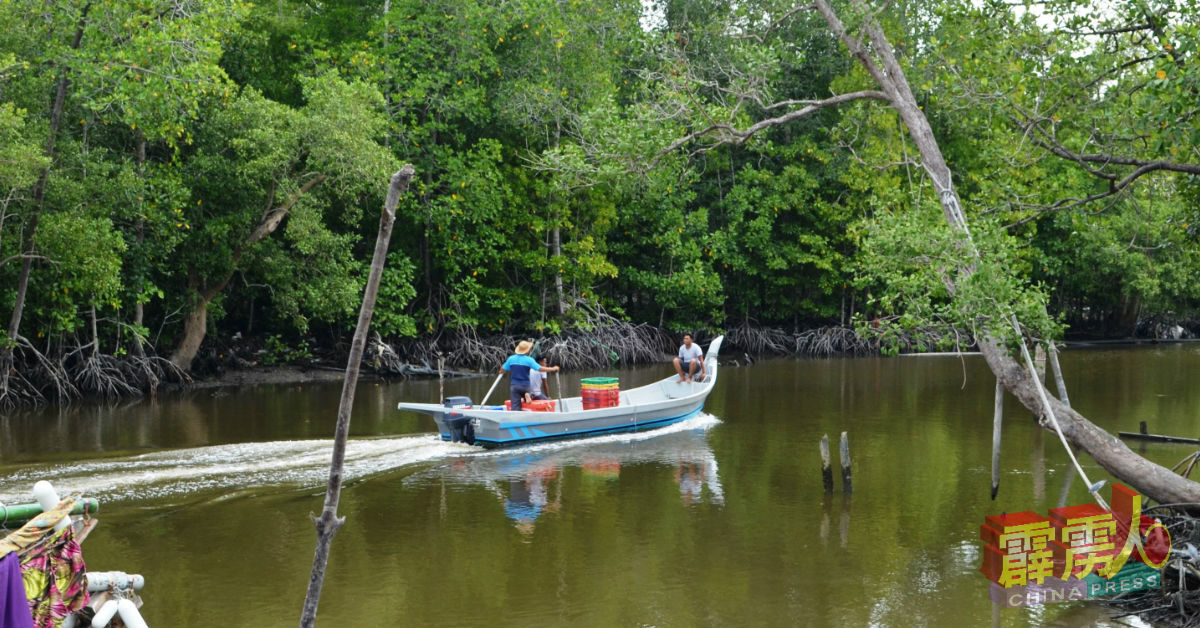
601, 398
537, 405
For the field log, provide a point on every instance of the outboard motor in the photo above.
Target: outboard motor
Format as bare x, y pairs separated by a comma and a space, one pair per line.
455, 422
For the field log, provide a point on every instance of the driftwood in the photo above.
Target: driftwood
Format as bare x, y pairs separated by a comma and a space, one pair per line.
329, 523
1161, 438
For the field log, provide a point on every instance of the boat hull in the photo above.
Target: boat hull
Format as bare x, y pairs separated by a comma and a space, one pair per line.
490, 433
658, 404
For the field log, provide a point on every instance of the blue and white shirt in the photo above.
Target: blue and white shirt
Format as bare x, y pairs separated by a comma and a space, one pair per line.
519, 366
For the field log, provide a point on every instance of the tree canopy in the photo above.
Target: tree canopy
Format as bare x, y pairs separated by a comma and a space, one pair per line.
177, 173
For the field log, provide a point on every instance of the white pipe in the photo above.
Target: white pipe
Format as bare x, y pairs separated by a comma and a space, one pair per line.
47, 498
105, 614
130, 615
100, 581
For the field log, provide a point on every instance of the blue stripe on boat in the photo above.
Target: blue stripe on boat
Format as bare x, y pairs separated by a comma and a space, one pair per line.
623, 428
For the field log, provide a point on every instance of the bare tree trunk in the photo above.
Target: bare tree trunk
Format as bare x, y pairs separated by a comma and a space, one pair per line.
195, 327
1148, 478
95, 334
560, 301
139, 310
1153, 480
39, 198
328, 523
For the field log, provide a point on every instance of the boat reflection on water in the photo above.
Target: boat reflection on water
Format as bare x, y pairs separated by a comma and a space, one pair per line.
529, 481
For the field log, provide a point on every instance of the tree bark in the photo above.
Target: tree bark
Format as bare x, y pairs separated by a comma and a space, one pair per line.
196, 320
139, 310
328, 523
195, 327
560, 302
1151, 479
39, 198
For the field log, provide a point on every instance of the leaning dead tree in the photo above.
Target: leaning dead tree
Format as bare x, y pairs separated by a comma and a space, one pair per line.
871, 49
1156, 481
329, 522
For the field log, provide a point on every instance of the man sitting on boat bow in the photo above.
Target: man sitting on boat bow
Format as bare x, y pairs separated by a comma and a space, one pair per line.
690, 356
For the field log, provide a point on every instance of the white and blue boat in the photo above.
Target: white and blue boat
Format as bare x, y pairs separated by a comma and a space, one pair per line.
654, 405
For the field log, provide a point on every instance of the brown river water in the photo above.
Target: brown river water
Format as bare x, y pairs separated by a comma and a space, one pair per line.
721, 520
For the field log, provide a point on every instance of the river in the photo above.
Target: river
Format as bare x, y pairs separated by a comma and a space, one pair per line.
718, 521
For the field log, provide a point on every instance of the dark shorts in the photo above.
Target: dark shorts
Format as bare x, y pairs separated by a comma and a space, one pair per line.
516, 395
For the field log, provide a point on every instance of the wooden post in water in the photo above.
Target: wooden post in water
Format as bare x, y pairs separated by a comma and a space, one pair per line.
826, 467
1058, 376
997, 420
441, 377
826, 507
845, 451
329, 522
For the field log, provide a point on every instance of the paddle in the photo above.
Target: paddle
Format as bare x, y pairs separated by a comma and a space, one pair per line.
489, 392
558, 387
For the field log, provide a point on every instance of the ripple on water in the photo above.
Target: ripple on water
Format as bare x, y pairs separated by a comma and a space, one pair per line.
276, 464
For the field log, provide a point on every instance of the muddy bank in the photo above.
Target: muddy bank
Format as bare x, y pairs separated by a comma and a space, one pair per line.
256, 375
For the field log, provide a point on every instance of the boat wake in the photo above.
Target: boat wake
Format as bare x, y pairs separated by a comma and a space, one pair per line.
225, 468
221, 470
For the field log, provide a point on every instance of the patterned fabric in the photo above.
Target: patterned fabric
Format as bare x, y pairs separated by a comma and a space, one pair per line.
14, 607
55, 582
36, 530
52, 567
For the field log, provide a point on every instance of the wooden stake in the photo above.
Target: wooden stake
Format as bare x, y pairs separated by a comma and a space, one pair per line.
1039, 362
997, 420
441, 377
826, 467
845, 451
1058, 376
328, 523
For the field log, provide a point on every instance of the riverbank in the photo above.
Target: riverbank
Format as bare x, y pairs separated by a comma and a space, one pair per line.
241, 360
260, 375
747, 344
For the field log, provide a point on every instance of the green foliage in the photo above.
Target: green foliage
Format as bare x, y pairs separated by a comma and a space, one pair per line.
277, 351
20, 158
85, 254
396, 291
916, 256
240, 153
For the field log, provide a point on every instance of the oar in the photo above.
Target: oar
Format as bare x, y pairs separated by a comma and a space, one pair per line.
489, 392
558, 386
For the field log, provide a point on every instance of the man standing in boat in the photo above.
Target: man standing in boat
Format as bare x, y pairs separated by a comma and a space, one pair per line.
690, 357
519, 365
